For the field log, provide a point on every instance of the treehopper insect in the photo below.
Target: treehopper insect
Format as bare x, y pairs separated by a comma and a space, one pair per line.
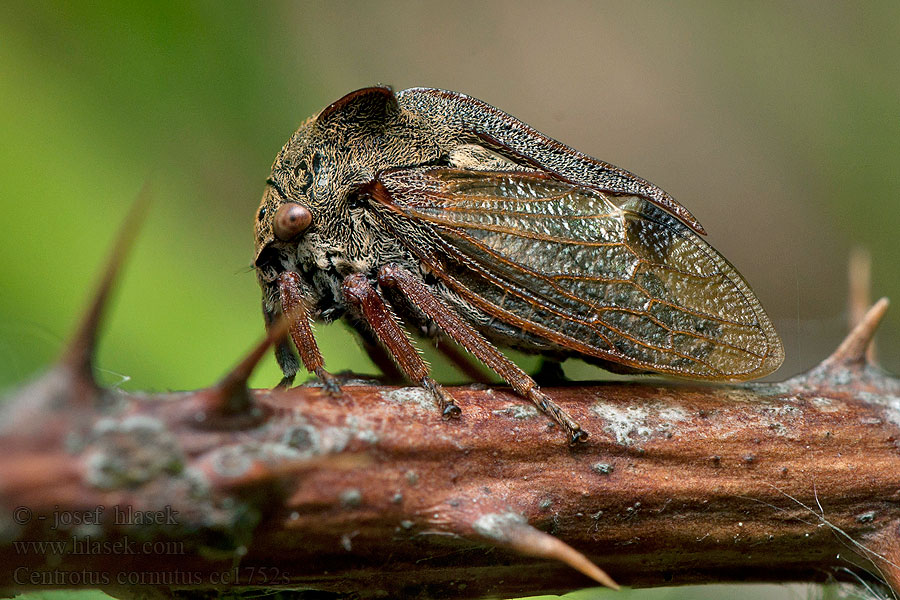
433, 210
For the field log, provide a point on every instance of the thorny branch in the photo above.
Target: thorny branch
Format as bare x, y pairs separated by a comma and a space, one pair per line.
372, 495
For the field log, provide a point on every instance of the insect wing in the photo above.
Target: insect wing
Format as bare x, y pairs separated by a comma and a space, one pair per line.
467, 116
609, 276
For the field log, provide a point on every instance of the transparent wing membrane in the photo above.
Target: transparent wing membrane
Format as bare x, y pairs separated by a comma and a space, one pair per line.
609, 276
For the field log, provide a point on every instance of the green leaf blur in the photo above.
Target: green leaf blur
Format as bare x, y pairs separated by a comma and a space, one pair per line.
789, 112
775, 124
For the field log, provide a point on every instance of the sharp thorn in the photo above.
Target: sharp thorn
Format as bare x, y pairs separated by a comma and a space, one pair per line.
513, 530
852, 350
228, 403
238, 377
79, 354
528, 540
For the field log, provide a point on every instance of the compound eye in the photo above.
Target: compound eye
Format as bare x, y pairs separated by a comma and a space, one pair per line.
291, 219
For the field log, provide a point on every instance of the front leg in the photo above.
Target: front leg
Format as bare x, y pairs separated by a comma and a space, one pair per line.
287, 359
293, 303
360, 293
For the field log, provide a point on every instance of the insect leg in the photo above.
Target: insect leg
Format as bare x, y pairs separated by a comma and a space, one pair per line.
293, 301
286, 358
465, 335
360, 293
379, 356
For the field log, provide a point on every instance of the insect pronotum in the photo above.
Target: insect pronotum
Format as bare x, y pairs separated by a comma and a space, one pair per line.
433, 210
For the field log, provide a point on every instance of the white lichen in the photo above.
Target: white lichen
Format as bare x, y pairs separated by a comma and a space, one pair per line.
495, 526
639, 423
411, 395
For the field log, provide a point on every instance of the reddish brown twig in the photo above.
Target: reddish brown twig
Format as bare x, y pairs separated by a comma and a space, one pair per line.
373, 494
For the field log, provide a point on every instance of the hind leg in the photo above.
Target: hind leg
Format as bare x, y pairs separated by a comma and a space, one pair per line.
394, 277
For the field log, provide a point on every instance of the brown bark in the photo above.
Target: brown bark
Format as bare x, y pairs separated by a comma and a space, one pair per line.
372, 493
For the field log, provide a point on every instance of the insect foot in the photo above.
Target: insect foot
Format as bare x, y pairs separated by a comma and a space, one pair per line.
330, 383
574, 431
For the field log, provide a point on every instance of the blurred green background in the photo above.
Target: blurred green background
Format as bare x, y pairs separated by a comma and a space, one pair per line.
777, 125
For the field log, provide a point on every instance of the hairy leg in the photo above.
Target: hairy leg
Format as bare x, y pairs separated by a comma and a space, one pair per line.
393, 276
293, 302
378, 355
360, 293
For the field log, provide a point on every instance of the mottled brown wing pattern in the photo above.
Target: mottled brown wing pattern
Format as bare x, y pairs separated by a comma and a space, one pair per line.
612, 277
